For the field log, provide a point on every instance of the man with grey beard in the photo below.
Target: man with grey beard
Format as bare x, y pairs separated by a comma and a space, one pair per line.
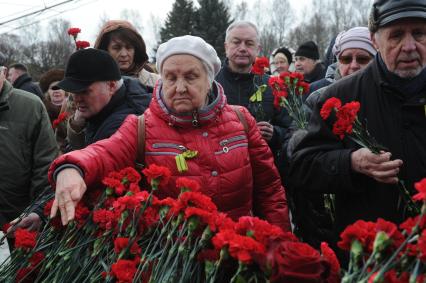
392, 94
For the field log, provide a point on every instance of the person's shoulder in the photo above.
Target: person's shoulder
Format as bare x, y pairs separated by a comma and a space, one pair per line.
27, 97
347, 88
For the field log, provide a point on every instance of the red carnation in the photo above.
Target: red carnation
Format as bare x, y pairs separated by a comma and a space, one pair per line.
36, 258
81, 44
130, 175
302, 87
346, 116
330, 104
25, 275
122, 243
195, 199
297, 262
331, 257
74, 32
187, 184
259, 66
124, 270
421, 188
159, 173
362, 231
260, 230
391, 231
206, 217
126, 202
61, 118
5, 227
81, 214
25, 239
115, 184
103, 218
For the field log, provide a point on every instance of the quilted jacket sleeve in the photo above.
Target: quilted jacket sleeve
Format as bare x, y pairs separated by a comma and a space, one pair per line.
104, 156
269, 201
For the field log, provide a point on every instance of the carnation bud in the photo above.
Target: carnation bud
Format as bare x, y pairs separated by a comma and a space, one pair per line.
381, 242
356, 249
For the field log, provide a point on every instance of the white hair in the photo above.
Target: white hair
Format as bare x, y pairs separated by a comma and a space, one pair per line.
241, 24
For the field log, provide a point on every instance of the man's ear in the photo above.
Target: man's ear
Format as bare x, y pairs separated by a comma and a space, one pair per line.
374, 40
112, 86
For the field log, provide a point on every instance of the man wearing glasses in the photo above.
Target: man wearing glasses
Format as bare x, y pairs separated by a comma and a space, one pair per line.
27, 147
392, 94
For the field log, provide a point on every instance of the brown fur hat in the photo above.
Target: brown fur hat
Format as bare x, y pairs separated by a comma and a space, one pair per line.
53, 75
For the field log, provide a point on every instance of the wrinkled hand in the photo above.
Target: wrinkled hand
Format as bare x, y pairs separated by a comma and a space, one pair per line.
377, 166
70, 188
31, 222
266, 130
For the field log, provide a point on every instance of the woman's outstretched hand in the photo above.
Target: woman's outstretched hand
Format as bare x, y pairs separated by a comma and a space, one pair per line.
70, 188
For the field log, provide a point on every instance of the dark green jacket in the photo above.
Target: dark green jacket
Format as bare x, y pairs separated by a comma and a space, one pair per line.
27, 147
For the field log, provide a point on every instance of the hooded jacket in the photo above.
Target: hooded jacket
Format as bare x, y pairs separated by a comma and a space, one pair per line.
137, 70
234, 168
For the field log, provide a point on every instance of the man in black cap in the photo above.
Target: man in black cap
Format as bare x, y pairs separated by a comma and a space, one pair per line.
307, 62
103, 100
392, 94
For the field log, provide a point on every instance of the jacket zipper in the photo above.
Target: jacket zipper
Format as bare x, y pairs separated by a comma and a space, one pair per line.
169, 145
226, 149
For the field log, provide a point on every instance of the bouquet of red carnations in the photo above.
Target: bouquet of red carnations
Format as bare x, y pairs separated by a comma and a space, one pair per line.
126, 234
381, 251
288, 90
346, 123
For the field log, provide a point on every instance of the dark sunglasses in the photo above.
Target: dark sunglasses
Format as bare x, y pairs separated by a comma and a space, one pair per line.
54, 87
362, 60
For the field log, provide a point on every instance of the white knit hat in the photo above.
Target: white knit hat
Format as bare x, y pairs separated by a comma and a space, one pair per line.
190, 45
357, 37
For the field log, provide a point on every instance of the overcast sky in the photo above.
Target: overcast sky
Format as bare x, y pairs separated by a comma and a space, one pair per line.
87, 14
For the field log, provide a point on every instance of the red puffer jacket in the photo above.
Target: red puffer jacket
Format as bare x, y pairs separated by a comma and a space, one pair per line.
236, 171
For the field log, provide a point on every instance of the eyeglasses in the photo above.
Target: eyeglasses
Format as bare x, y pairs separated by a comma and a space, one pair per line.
362, 60
54, 87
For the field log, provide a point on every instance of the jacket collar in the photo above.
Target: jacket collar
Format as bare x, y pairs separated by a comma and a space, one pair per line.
316, 74
195, 119
5, 94
24, 78
116, 100
235, 76
407, 88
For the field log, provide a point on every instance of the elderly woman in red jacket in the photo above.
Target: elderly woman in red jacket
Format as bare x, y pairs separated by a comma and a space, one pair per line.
188, 113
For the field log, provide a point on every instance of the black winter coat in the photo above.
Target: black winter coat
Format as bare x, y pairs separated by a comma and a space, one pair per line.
321, 162
238, 89
25, 82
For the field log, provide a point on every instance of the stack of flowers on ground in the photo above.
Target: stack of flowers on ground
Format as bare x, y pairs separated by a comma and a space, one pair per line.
126, 234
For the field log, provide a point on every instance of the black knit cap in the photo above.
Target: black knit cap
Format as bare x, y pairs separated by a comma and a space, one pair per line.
286, 53
384, 12
309, 50
87, 66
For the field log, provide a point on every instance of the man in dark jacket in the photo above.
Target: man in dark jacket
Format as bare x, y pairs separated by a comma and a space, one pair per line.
19, 77
102, 97
103, 100
242, 46
27, 147
392, 95
307, 62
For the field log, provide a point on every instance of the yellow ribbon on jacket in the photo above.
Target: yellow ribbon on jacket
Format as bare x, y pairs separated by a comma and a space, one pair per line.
257, 96
181, 164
